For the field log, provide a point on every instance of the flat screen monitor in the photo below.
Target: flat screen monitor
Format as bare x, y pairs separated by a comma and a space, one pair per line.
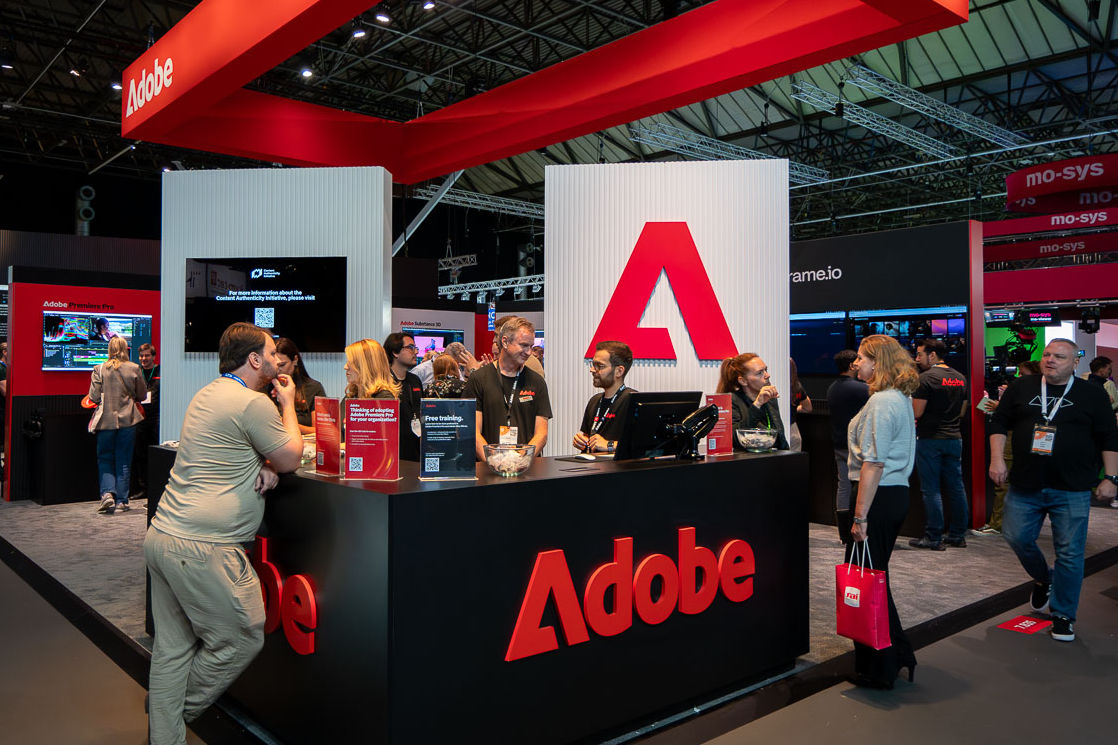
815, 340
643, 433
80, 341
910, 325
302, 298
433, 340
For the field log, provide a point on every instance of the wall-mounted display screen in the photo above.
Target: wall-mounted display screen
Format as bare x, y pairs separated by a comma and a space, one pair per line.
302, 298
815, 339
910, 325
433, 340
80, 341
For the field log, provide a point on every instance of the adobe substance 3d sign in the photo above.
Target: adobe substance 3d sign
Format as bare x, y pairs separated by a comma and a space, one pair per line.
668, 248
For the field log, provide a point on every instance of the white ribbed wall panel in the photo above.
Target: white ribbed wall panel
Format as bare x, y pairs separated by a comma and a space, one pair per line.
737, 212
273, 212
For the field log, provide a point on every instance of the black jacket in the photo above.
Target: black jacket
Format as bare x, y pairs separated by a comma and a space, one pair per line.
748, 416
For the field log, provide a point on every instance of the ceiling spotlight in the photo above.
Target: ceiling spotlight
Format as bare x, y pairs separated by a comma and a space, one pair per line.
383, 17
518, 290
429, 5
464, 296
166, 169
6, 61
75, 72
117, 86
535, 288
480, 298
306, 72
358, 33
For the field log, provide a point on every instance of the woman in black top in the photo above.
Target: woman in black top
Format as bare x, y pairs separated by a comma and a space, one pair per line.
754, 401
289, 362
446, 382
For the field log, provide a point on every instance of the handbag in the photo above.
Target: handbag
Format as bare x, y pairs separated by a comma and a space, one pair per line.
95, 419
861, 604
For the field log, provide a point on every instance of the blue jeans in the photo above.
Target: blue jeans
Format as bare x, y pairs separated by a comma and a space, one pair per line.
1068, 510
940, 462
114, 461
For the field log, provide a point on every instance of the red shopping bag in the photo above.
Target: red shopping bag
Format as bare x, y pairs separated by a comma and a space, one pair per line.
860, 601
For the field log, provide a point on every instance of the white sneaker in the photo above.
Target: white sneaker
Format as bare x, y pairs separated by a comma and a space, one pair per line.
108, 504
1114, 503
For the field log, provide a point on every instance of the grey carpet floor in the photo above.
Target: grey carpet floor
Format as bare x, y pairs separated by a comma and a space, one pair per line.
100, 558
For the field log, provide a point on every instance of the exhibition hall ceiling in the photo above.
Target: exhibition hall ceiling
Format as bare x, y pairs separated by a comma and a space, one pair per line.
1042, 71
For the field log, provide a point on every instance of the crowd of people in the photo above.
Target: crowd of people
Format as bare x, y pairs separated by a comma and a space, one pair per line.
890, 413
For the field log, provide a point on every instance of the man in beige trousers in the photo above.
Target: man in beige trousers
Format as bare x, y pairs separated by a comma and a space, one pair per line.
206, 599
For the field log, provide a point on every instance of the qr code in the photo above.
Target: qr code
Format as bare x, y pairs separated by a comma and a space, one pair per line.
265, 317
320, 459
431, 465
356, 464
712, 443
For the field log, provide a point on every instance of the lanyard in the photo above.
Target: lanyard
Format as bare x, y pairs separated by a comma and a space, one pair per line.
149, 374
1044, 399
512, 393
231, 376
599, 419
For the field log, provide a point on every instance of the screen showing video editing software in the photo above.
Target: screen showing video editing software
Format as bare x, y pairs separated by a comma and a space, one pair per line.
80, 341
433, 340
909, 325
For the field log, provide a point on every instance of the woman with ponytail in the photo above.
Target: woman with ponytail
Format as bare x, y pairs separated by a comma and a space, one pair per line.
753, 404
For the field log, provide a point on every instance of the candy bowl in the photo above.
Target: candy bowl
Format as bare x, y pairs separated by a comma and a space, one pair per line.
509, 460
756, 440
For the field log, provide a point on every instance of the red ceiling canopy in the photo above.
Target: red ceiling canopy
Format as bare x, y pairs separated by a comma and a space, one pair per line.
187, 89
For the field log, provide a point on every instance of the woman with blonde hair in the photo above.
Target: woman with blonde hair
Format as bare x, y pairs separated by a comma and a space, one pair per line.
367, 374
753, 405
117, 385
882, 446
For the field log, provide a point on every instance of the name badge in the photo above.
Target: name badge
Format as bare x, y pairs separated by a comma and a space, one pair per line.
1044, 437
415, 426
508, 436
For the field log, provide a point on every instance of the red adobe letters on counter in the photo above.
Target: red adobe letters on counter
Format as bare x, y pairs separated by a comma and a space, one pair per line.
288, 602
732, 571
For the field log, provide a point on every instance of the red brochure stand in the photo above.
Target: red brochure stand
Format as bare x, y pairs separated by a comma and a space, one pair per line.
720, 441
372, 439
327, 435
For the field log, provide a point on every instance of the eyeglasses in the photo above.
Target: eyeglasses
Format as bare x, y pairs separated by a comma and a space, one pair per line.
412, 347
596, 365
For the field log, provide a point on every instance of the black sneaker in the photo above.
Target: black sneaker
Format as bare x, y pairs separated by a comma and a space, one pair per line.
925, 543
1042, 591
1063, 629
959, 542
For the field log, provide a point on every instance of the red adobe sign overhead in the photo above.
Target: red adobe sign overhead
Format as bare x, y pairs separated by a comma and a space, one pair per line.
187, 89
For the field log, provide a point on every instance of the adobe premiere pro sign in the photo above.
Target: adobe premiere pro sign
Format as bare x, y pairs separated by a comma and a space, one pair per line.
301, 298
912, 268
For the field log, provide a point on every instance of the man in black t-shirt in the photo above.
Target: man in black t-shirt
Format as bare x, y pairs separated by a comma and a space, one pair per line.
939, 404
1060, 426
402, 357
845, 398
605, 412
512, 402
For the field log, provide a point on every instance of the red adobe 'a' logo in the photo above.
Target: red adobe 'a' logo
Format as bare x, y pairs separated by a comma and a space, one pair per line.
665, 247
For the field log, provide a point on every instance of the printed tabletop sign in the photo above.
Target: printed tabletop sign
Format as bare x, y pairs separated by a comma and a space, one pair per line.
372, 439
327, 435
720, 441
448, 438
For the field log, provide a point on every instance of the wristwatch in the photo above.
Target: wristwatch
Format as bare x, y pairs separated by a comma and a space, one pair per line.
1111, 479
611, 446
860, 520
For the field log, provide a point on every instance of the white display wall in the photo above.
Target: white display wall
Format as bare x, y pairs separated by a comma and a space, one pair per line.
737, 214
265, 213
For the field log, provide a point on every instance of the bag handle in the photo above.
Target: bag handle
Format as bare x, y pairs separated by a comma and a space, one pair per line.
864, 557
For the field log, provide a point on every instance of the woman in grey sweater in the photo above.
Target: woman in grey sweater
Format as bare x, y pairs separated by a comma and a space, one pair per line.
117, 385
882, 445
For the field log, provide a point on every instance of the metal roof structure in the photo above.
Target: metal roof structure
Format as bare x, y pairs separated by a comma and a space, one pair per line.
1041, 73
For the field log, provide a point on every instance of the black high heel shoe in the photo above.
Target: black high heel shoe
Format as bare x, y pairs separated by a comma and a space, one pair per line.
865, 681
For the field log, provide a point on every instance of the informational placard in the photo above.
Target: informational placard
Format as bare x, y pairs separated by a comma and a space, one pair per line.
372, 439
447, 445
1025, 624
720, 441
327, 435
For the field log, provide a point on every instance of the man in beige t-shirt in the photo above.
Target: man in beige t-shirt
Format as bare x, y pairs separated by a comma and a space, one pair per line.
206, 600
